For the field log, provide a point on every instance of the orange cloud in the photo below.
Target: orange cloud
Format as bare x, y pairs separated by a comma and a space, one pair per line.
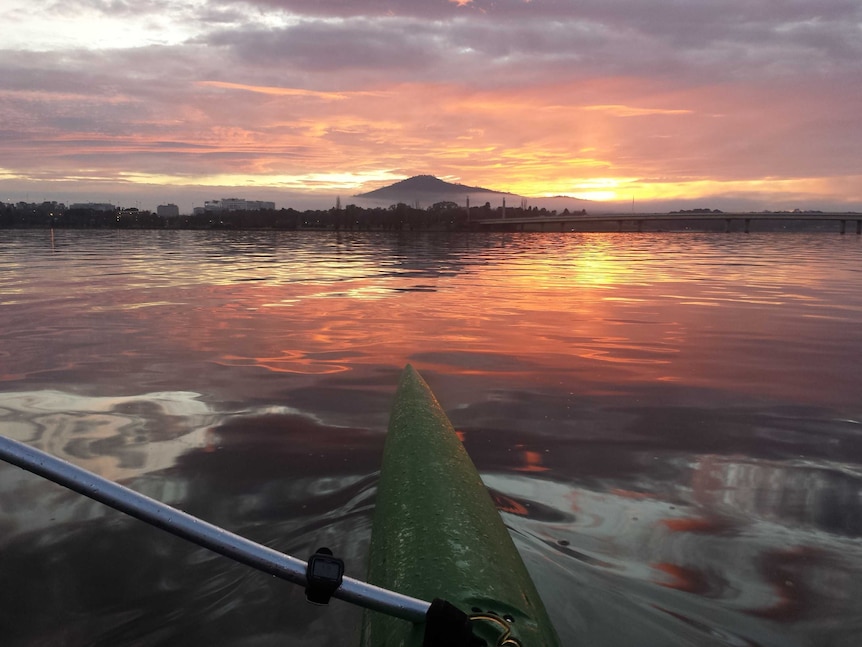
631, 111
283, 92
602, 139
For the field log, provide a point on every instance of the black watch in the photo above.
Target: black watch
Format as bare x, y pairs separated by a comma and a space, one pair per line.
323, 576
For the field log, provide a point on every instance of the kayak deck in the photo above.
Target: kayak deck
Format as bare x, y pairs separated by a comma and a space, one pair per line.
437, 534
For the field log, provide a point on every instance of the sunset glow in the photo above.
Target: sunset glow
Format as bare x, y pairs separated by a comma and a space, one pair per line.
663, 104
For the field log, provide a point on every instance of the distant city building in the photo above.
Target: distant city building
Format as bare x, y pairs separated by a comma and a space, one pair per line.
93, 206
167, 210
234, 204
237, 204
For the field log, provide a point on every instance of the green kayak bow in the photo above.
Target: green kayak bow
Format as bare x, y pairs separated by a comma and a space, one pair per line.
437, 534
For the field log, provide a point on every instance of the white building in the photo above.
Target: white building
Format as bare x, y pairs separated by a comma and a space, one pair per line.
94, 206
237, 204
167, 210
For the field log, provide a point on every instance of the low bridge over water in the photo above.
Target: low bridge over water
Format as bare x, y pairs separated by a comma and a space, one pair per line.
635, 221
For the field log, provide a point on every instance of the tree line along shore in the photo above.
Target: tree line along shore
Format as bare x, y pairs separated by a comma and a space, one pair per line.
441, 216
400, 216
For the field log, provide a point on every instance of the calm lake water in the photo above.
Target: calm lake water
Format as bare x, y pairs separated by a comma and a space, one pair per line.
671, 424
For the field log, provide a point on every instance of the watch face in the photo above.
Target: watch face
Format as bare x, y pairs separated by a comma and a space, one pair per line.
325, 569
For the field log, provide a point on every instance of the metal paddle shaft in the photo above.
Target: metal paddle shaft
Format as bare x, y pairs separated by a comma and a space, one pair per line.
202, 533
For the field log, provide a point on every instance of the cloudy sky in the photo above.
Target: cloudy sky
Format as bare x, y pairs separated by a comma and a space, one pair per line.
710, 102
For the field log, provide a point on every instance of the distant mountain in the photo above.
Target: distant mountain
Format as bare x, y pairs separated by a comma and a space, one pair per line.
423, 187
425, 190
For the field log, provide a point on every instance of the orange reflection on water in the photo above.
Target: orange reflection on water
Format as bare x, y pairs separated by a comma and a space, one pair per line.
681, 578
510, 505
288, 363
532, 461
631, 494
601, 311
696, 524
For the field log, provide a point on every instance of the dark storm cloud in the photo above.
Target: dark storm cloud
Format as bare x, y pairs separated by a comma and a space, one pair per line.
538, 40
672, 17
347, 8
322, 47
484, 40
409, 50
